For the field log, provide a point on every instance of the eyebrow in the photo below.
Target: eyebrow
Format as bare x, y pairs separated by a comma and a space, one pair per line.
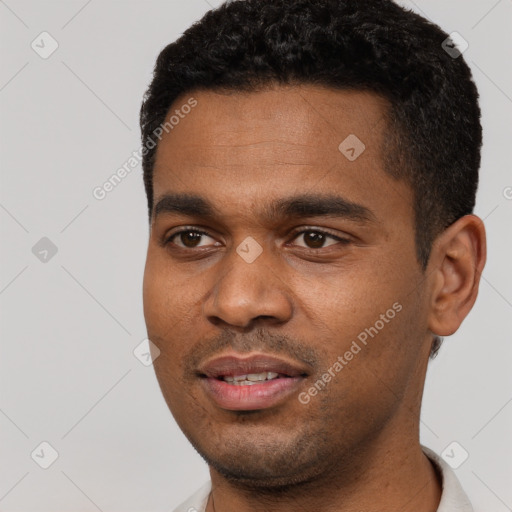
305, 205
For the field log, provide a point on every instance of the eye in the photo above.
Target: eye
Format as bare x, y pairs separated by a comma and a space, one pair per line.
188, 238
315, 238
191, 238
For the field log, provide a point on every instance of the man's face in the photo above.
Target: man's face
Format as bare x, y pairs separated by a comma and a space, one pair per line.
290, 291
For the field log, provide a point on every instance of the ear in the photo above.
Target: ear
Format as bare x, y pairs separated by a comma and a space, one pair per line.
457, 259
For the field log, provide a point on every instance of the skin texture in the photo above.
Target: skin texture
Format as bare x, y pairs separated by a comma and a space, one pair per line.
355, 445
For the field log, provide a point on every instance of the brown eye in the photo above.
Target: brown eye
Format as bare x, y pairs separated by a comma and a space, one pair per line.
316, 239
188, 238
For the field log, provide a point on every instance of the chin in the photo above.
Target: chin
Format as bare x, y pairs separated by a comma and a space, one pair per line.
254, 475
260, 460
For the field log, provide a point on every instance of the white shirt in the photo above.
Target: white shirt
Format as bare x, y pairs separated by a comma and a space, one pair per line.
453, 498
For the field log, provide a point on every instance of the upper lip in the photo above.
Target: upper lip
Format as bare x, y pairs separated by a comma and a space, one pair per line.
257, 363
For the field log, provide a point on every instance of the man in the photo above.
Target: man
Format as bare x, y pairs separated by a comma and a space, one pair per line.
311, 169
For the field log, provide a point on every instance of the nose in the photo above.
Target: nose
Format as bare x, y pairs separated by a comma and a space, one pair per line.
244, 292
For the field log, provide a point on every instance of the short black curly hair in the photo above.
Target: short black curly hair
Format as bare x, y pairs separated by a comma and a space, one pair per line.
433, 132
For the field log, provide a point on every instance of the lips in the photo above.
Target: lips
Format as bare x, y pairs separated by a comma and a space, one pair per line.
250, 383
234, 365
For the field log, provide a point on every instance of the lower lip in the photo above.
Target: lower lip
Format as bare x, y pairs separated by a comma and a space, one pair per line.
250, 397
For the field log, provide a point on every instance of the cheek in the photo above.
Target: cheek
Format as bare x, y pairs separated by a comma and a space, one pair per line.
152, 292
347, 300
164, 313
368, 315
172, 302
167, 295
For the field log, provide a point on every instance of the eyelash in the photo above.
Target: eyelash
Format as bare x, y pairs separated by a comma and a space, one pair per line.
294, 235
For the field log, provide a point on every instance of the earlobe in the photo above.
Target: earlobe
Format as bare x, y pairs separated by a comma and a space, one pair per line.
458, 258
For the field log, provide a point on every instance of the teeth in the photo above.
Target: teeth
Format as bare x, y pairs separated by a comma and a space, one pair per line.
253, 377
250, 379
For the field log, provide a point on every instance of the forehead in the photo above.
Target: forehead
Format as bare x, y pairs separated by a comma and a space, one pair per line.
308, 120
238, 148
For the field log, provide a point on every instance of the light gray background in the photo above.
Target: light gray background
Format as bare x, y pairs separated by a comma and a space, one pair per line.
69, 325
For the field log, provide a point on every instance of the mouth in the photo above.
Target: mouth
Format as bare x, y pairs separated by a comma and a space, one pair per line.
251, 378
250, 383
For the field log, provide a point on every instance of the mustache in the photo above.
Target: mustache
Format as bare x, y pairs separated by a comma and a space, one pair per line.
259, 340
